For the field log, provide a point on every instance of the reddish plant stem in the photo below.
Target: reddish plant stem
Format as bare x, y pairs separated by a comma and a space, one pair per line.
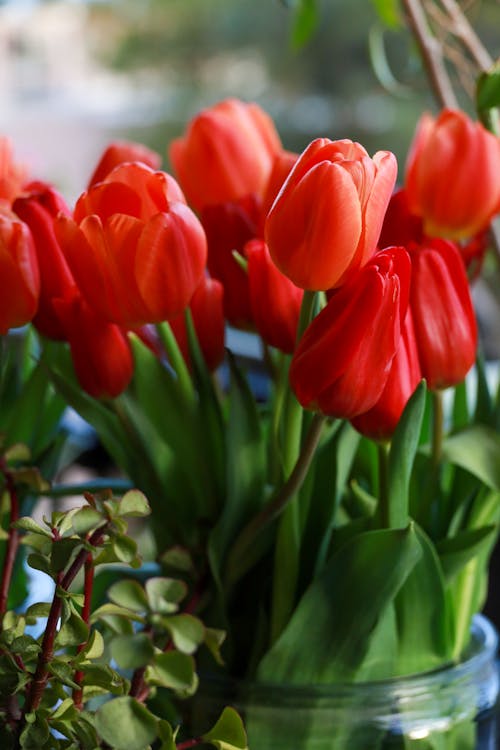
190, 743
12, 541
40, 678
87, 600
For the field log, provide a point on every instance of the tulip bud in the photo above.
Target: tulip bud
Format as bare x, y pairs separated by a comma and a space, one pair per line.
275, 299
400, 226
226, 154
12, 175
136, 250
19, 276
342, 362
452, 175
382, 419
326, 220
120, 152
208, 320
445, 323
100, 351
38, 208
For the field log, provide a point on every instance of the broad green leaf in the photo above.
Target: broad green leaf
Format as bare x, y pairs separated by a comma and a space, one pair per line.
94, 647
130, 594
228, 733
73, 632
86, 519
404, 446
62, 552
126, 724
28, 524
64, 672
134, 504
305, 22
488, 89
102, 676
423, 613
124, 548
477, 450
370, 567
131, 652
164, 594
455, 552
167, 735
187, 632
388, 12
173, 670
115, 610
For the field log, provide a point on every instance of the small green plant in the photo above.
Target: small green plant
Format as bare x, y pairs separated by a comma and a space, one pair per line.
85, 682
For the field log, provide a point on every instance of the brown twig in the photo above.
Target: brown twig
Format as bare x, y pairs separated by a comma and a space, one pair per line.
12, 541
463, 30
87, 600
432, 54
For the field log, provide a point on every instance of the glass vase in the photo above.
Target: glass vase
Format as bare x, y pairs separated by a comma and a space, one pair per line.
451, 708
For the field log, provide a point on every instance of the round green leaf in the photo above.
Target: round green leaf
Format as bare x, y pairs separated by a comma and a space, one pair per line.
187, 632
126, 724
134, 504
131, 652
128, 593
164, 594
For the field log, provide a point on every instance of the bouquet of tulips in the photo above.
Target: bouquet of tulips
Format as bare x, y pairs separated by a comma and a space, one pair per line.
338, 527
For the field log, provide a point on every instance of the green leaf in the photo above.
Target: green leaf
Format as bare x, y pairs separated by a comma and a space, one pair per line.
370, 567
39, 562
130, 594
214, 639
305, 22
488, 89
131, 652
124, 548
62, 551
64, 672
167, 735
73, 632
28, 524
134, 504
389, 12
126, 724
164, 594
477, 450
86, 519
94, 648
228, 733
457, 551
173, 670
402, 455
115, 610
102, 676
187, 631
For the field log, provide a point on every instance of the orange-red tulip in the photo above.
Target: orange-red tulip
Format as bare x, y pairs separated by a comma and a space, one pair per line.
120, 152
452, 175
342, 362
19, 276
12, 175
405, 374
326, 220
226, 153
445, 323
275, 299
134, 247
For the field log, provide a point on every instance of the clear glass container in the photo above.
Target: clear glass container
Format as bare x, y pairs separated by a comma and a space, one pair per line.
451, 708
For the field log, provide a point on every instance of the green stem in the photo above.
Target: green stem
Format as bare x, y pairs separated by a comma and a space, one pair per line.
176, 360
384, 512
437, 428
306, 312
240, 559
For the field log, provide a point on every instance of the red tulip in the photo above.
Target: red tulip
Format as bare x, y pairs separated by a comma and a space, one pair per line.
100, 350
342, 362
445, 324
136, 250
229, 226
452, 175
283, 163
226, 154
12, 175
381, 420
19, 276
400, 226
38, 208
120, 152
208, 320
275, 299
326, 220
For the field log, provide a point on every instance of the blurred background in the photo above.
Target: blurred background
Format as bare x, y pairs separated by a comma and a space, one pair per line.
75, 74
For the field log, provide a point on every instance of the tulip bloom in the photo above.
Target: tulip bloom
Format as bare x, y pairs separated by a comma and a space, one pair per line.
100, 351
229, 226
326, 220
382, 419
19, 276
12, 175
342, 362
136, 250
445, 323
120, 152
400, 226
275, 299
452, 175
208, 319
38, 208
226, 154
